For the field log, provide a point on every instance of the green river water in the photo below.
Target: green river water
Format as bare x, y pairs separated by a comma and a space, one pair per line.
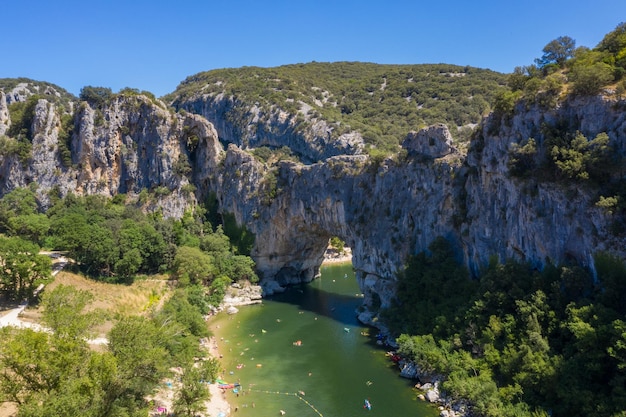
336, 366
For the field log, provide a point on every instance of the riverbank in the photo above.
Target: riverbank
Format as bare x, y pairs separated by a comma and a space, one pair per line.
217, 404
332, 257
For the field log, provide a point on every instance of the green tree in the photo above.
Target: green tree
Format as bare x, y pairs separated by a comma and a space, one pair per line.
138, 345
615, 44
33, 227
557, 51
217, 243
19, 202
217, 290
99, 253
589, 79
42, 368
23, 268
583, 159
192, 266
193, 392
65, 313
25, 363
523, 159
95, 96
612, 278
432, 290
22, 115
337, 244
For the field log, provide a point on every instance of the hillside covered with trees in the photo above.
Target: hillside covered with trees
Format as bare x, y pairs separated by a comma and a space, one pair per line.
382, 102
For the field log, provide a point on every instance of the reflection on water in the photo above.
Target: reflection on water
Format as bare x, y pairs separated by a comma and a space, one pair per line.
304, 352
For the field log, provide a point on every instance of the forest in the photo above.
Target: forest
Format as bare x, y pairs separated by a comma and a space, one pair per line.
517, 341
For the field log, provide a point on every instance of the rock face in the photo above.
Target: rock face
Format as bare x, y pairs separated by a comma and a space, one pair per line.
5, 120
130, 145
248, 126
432, 142
384, 210
537, 221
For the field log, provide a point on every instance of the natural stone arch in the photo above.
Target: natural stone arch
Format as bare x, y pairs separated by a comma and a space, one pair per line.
369, 205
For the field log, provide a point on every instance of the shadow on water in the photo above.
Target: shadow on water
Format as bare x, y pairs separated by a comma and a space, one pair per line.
339, 307
334, 295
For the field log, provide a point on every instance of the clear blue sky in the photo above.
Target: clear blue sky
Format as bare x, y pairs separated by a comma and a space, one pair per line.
155, 44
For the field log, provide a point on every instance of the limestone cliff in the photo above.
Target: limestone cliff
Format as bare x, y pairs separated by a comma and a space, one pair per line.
5, 121
384, 210
129, 145
387, 211
250, 126
531, 220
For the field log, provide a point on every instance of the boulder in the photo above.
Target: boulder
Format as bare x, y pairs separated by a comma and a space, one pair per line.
432, 142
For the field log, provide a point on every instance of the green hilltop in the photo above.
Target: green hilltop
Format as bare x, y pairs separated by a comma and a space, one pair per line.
382, 102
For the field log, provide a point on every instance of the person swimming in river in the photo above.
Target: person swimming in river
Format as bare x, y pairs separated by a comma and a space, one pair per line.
367, 405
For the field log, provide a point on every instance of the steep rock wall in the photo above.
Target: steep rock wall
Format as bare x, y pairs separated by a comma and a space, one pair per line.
533, 220
384, 210
129, 145
249, 126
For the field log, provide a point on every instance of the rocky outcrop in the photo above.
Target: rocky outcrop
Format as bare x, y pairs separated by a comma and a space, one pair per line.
241, 295
130, 145
250, 126
432, 142
5, 120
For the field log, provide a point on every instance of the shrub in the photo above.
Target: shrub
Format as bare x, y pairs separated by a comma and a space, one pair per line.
589, 79
95, 96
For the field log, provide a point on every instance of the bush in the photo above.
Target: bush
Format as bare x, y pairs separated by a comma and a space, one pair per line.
22, 114
588, 80
523, 159
95, 96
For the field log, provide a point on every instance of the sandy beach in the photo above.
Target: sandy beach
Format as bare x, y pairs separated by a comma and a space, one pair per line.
332, 257
217, 405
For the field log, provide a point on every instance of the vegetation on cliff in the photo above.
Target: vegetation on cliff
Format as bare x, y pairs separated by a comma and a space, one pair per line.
559, 153
382, 102
565, 69
518, 342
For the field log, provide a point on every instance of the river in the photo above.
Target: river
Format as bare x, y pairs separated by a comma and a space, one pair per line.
304, 352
